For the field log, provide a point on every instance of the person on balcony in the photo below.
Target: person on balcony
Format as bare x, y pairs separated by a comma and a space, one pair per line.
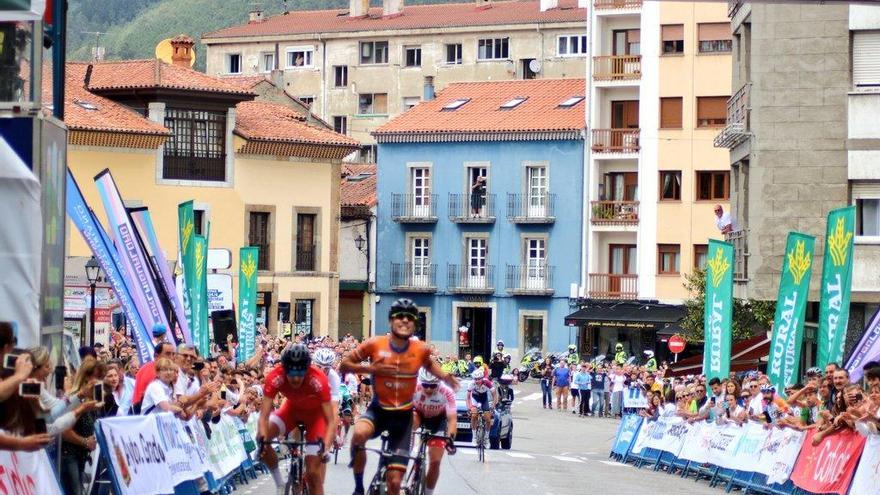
723, 220
478, 196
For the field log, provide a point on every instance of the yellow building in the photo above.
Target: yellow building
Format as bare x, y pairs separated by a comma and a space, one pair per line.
260, 172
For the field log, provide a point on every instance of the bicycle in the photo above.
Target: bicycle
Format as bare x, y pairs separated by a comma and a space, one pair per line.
481, 435
342, 426
377, 484
296, 483
415, 483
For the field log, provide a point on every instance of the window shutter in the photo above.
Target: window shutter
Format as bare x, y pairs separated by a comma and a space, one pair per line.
672, 32
634, 36
711, 107
866, 58
713, 31
865, 190
670, 113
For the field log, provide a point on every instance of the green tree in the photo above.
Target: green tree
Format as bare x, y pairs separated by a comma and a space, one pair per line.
750, 316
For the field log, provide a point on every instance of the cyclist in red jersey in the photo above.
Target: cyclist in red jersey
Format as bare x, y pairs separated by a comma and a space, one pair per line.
395, 361
306, 394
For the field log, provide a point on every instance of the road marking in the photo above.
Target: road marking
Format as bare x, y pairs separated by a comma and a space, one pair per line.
468, 451
612, 463
566, 459
535, 396
520, 455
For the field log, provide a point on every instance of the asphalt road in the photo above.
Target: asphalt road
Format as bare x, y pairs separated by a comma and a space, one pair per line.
554, 453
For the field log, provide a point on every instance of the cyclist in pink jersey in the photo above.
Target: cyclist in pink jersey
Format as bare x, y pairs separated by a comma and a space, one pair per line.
434, 410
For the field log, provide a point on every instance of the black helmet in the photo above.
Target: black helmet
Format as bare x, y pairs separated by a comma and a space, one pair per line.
296, 358
403, 306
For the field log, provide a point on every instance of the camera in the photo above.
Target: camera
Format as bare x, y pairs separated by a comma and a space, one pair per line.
98, 394
223, 394
10, 358
30, 389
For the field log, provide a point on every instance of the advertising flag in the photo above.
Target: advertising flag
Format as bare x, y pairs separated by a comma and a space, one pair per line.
187, 256
829, 466
836, 285
718, 310
199, 301
247, 299
791, 305
868, 349
144, 223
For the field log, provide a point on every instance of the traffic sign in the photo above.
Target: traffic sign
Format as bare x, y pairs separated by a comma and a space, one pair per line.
676, 344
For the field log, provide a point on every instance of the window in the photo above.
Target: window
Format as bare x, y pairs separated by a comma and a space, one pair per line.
302, 316
712, 111
258, 235
866, 61
412, 56
198, 222
307, 100
420, 261
672, 37
410, 101
701, 255
233, 63
714, 37
196, 149
571, 45
340, 124
306, 249
267, 61
369, 153
667, 259
574, 100
374, 52
477, 253
713, 186
868, 217
670, 185
373, 104
493, 49
300, 56
670, 112
455, 104
340, 76
513, 103
453, 54
536, 262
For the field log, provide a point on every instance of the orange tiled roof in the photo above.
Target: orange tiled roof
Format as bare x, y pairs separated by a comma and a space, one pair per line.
540, 112
358, 192
412, 17
259, 120
247, 82
145, 74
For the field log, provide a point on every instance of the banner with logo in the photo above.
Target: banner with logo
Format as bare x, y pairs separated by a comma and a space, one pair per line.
27, 473
644, 434
723, 444
134, 262
696, 445
137, 455
829, 466
185, 459
752, 438
867, 477
225, 448
627, 431
247, 300
669, 434
634, 398
779, 454
93, 233
791, 305
199, 294
718, 310
144, 223
837, 269
186, 258
868, 349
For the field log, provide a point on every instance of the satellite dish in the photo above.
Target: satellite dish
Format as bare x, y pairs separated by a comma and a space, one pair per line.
535, 66
164, 52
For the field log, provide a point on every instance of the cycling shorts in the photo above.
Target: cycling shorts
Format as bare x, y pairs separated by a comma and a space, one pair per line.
436, 426
288, 416
398, 424
481, 401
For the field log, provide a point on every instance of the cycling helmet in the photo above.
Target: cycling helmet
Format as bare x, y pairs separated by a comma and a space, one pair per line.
499, 343
650, 354
295, 358
425, 377
572, 347
403, 306
814, 372
507, 357
324, 357
478, 374
619, 346
506, 379
478, 360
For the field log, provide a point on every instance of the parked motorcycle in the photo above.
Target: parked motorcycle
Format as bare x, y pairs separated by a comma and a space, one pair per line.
530, 365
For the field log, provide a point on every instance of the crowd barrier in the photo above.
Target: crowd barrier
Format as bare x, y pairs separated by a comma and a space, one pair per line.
779, 461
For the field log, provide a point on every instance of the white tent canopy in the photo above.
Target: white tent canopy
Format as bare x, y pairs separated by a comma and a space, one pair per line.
20, 245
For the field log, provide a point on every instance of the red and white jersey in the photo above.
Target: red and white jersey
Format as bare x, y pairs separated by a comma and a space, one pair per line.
481, 387
441, 402
314, 391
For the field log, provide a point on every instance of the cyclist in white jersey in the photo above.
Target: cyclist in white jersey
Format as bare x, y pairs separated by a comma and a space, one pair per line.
481, 399
434, 406
324, 358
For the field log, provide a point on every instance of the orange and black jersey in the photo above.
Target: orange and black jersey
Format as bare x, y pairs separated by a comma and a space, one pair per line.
394, 391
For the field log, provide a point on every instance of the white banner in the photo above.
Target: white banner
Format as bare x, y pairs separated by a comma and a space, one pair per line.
225, 449
752, 438
696, 444
136, 451
634, 398
779, 454
669, 434
723, 444
867, 477
185, 459
27, 473
642, 438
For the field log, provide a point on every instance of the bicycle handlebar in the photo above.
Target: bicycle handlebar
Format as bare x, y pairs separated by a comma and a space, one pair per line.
289, 444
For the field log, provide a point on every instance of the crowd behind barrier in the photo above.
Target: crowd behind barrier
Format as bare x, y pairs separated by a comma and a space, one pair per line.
752, 456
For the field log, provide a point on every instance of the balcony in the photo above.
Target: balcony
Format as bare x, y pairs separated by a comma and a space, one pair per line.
411, 208
413, 277
526, 208
614, 286
530, 280
617, 4
466, 279
615, 213
617, 67
737, 129
739, 239
733, 7
467, 208
619, 141
306, 256
187, 167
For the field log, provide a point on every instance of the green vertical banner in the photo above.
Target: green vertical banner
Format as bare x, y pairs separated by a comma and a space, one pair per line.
247, 300
186, 244
837, 270
791, 305
718, 310
199, 294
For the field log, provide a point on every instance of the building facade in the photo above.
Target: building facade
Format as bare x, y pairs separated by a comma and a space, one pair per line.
357, 249
479, 218
803, 139
259, 174
361, 67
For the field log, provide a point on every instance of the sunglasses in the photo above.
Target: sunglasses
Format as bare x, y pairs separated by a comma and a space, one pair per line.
296, 373
405, 316
429, 385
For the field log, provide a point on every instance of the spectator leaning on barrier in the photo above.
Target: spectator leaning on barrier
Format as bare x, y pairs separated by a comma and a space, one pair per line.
147, 373
79, 442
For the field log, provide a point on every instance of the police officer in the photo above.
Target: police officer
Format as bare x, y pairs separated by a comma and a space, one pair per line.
572, 357
651, 364
620, 355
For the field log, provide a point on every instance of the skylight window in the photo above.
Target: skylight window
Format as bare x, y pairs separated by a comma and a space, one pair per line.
574, 100
359, 177
514, 102
85, 104
456, 104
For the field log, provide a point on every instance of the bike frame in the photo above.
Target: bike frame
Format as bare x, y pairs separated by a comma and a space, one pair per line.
296, 484
417, 478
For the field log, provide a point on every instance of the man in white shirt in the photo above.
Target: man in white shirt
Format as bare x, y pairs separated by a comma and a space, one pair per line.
722, 220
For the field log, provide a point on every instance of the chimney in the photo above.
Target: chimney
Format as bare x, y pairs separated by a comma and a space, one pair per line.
483, 4
428, 94
549, 4
392, 8
277, 77
182, 52
358, 8
255, 16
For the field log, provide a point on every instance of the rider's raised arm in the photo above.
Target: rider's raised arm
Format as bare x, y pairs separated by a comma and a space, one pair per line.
353, 362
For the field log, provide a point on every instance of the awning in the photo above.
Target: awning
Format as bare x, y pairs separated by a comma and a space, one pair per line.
627, 314
746, 355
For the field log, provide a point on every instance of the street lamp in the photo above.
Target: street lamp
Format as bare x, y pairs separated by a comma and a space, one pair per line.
93, 273
359, 242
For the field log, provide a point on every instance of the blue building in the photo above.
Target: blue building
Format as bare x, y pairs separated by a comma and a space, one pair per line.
480, 213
